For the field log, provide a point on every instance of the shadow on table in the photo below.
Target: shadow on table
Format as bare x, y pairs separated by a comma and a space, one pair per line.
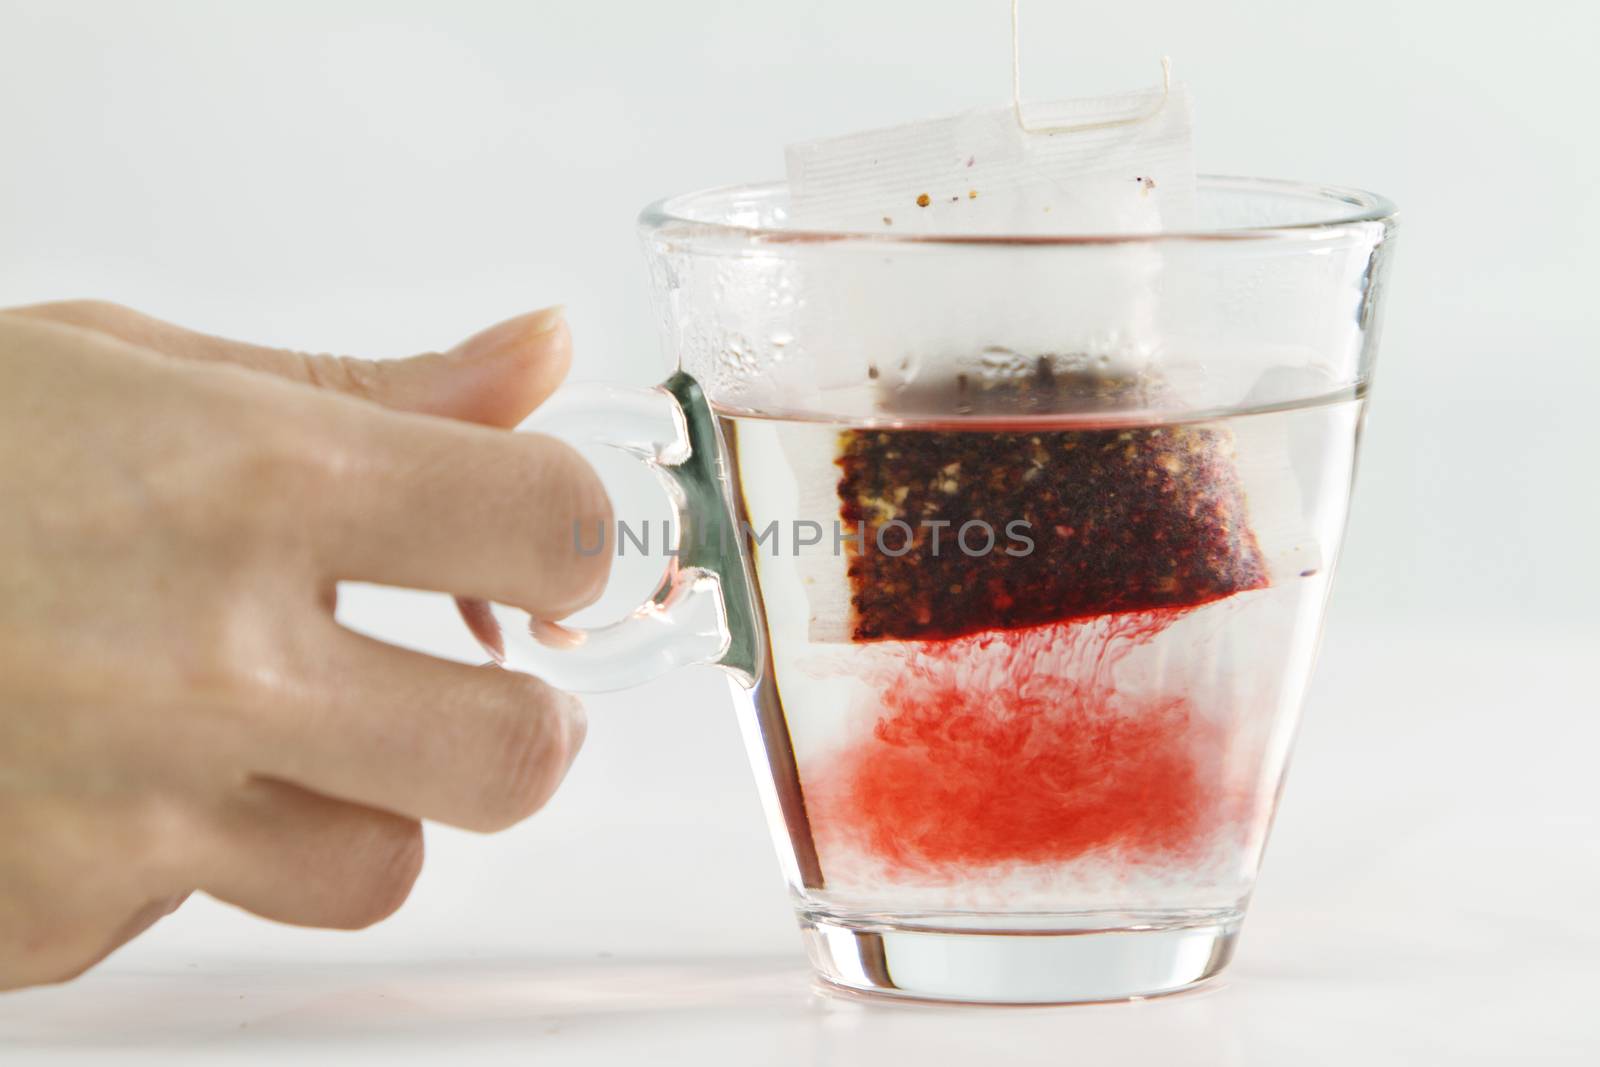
421, 998
609, 1009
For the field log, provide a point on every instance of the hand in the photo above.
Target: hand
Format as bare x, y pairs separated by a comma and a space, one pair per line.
178, 708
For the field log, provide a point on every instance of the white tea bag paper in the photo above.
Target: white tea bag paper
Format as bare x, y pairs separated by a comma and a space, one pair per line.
1108, 166
1121, 164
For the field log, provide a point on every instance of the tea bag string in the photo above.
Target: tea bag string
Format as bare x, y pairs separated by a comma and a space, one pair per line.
1016, 90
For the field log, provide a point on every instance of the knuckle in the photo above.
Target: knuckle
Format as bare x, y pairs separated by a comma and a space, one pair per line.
530, 755
289, 463
251, 485
233, 665
394, 863
278, 482
345, 374
88, 311
161, 831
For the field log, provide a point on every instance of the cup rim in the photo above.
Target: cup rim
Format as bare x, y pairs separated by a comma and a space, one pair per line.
1359, 208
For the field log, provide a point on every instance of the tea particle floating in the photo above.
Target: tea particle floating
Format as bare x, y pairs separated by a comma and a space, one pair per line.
924, 200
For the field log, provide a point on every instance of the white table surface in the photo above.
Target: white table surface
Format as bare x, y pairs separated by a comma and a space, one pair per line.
1429, 897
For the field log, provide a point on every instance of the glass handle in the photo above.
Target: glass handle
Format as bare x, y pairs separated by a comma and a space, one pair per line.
702, 611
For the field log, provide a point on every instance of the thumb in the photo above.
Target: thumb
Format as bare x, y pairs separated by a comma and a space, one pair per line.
494, 377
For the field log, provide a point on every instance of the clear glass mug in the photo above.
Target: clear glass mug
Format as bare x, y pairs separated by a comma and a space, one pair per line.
1015, 551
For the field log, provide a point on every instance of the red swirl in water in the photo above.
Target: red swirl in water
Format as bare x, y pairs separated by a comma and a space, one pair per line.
1016, 746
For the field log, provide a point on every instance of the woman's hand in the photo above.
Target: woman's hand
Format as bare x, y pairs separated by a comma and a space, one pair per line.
178, 708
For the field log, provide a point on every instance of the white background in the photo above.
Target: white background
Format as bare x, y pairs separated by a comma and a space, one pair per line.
381, 178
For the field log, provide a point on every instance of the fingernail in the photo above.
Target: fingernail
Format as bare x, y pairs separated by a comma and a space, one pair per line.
508, 334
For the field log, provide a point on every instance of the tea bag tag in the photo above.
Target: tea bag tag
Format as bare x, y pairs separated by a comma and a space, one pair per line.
1102, 166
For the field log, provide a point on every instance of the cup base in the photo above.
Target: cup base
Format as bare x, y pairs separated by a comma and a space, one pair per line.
1017, 966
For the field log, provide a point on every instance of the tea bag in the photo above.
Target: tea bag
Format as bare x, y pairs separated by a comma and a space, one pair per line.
1066, 524
1111, 520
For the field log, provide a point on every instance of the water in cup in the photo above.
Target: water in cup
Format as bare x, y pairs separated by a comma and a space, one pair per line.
1077, 724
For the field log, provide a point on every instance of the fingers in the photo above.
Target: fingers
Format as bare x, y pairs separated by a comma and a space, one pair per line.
494, 377
421, 503
439, 505
80, 875
84, 945
424, 503
297, 857
137, 923
426, 738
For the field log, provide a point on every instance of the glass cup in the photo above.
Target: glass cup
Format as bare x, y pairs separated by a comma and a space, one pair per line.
1015, 551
